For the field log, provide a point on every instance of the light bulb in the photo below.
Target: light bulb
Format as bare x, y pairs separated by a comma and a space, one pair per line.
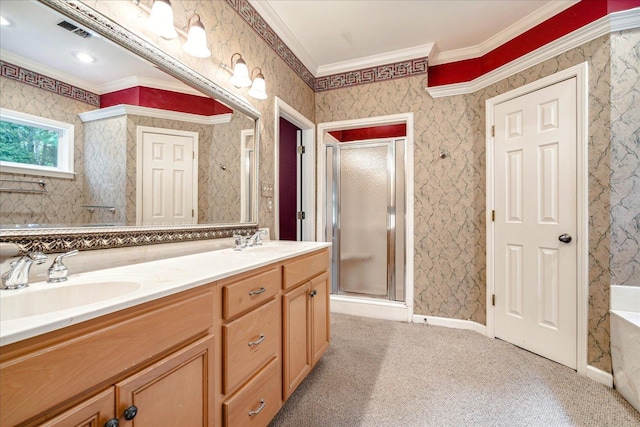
161, 19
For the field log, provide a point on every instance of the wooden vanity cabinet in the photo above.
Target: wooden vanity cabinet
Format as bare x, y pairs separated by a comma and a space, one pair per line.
251, 329
62, 378
305, 317
227, 353
93, 412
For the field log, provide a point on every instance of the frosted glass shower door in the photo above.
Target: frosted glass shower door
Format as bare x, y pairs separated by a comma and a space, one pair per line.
364, 219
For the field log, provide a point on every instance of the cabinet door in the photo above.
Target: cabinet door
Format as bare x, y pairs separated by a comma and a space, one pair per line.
320, 287
297, 339
176, 391
93, 412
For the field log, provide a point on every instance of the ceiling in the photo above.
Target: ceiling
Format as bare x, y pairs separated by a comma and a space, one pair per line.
34, 39
332, 36
328, 36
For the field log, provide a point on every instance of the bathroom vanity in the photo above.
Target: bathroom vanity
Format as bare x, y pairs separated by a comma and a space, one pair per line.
218, 338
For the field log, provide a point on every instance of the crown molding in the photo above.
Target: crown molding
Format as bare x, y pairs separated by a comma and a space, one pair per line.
267, 13
619, 21
47, 71
540, 15
134, 81
122, 109
421, 51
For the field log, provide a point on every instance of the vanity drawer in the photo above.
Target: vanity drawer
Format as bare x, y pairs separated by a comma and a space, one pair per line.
304, 269
243, 295
249, 342
262, 395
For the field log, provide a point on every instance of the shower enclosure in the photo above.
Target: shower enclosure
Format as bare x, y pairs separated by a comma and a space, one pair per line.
365, 211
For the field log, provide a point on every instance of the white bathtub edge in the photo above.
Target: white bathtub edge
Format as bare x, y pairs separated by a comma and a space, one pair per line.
625, 298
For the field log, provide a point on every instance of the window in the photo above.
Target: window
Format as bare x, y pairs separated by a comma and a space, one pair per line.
34, 145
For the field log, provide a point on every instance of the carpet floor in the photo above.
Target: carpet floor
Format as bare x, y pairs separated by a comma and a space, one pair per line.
383, 373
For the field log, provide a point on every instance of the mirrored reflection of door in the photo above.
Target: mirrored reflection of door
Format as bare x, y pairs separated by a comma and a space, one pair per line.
365, 202
168, 176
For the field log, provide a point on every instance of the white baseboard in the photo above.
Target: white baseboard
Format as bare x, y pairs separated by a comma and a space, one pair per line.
600, 376
386, 310
450, 323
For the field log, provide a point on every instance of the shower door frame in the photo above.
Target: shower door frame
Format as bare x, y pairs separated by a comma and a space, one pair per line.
384, 309
390, 145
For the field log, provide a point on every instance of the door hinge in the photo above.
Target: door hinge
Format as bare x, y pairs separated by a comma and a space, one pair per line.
193, 213
493, 215
493, 130
493, 299
300, 149
301, 215
193, 155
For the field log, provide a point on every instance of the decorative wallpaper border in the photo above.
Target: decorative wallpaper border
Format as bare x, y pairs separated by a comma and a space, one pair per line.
255, 21
336, 81
62, 240
379, 73
26, 76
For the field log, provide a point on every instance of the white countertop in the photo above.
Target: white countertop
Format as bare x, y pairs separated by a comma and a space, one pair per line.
150, 281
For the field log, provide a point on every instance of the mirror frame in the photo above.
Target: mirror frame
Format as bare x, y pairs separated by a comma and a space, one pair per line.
51, 240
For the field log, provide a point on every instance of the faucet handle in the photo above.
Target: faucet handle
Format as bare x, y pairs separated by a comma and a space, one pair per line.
239, 241
58, 271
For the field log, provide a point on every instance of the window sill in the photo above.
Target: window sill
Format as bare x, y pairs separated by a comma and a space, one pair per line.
26, 170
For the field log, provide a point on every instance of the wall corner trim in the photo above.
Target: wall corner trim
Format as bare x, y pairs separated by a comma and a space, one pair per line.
600, 376
450, 323
619, 21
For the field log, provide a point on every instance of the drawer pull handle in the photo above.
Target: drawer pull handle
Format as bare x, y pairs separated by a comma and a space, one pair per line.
313, 293
257, 411
113, 422
257, 291
252, 343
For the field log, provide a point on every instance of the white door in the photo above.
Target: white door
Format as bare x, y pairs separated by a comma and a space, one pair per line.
169, 185
535, 222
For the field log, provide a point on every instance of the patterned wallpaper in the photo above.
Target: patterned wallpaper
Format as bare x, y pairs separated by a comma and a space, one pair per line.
62, 204
105, 158
625, 157
228, 33
450, 193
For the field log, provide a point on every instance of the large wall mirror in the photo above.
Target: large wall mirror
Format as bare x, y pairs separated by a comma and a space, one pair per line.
152, 105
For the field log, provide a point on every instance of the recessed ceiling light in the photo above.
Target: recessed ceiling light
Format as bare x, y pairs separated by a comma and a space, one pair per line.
85, 57
4, 21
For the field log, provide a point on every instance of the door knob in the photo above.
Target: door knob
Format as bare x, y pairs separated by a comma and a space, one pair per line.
564, 238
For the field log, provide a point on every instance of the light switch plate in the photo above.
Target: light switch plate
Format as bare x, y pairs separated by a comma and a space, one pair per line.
267, 189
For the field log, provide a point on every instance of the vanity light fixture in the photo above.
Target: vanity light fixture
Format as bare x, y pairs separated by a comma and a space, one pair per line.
161, 19
240, 77
258, 88
196, 44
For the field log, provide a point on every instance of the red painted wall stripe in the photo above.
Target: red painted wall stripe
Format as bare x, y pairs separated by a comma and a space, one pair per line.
165, 100
567, 21
363, 134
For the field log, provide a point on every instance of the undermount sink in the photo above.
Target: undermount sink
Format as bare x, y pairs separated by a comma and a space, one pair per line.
275, 247
48, 298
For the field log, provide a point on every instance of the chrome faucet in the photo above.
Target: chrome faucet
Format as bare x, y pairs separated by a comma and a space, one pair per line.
240, 242
256, 238
18, 276
58, 271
